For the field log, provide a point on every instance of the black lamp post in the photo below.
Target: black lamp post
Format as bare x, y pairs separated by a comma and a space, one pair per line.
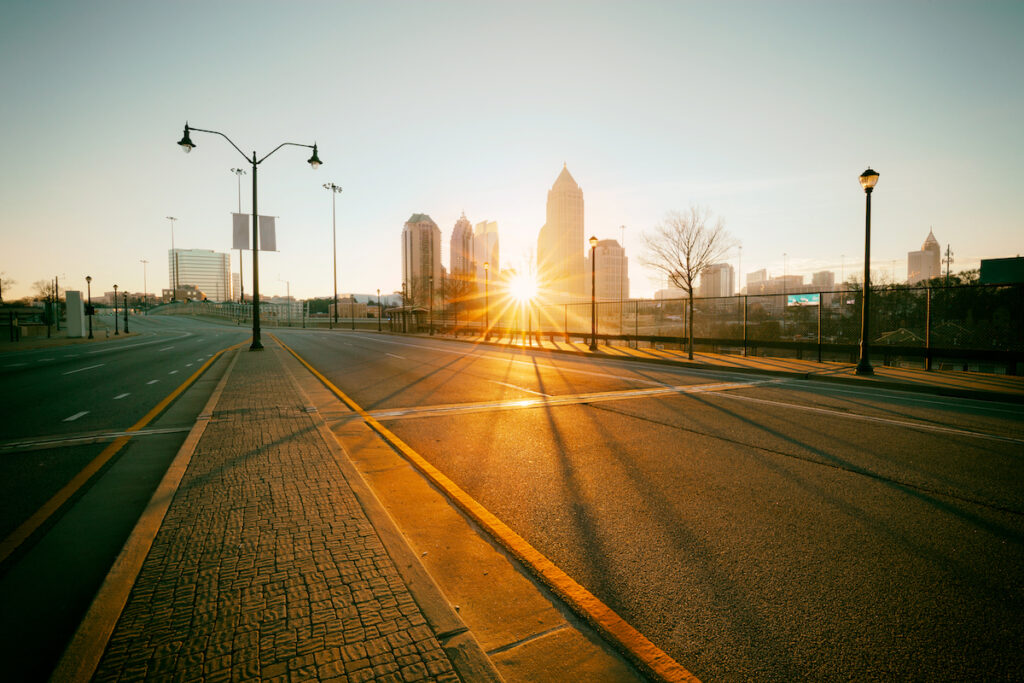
405, 303
335, 191
88, 287
487, 302
126, 312
593, 294
380, 310
187, 145
115, 310
430, 297
868, 179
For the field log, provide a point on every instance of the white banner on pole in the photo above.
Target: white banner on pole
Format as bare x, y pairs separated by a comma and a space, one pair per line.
241, 228
240, 231
268, 233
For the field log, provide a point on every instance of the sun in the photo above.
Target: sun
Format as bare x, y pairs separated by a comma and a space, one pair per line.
523, 287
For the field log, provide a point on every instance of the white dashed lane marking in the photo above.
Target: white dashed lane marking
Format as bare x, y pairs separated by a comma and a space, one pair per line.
120, 396
76, 416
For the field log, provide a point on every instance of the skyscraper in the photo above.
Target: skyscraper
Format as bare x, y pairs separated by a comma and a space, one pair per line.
462, 260
486, 248
421, 258
611, 275
925, 264
560, 255
206, 270
716, 280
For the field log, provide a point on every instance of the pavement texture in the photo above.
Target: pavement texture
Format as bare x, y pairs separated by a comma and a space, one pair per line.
265, 566
947, 383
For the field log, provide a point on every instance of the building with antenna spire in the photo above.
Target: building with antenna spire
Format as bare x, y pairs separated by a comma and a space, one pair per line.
925, 264
560, 245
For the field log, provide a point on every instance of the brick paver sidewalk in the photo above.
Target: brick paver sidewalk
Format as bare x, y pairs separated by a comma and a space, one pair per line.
266, 566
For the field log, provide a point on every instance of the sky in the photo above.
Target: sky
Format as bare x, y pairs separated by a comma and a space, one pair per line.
766, 112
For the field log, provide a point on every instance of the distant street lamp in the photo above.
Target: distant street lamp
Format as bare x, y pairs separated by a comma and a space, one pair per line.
187, 145
145, 287
405, 302
335, 191
868, 180
593, 294
115, 310
380, 309
487, 303
174, 256
125, 312
241, 280
430, 299
88, 286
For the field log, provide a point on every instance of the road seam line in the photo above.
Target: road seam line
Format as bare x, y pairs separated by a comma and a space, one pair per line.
71, 372
84, 652
651, 659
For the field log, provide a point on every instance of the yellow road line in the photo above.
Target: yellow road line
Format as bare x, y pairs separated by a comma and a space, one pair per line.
652, 659
29, 526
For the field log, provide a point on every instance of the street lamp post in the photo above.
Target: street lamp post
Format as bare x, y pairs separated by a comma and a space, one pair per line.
335, 191
868, 180
125, 312
115, 310
88, 286
622, 264
380, 310
187, 145
145, 286
352, 311
241, 280
593, 294
487, 302
430, 298
174, 255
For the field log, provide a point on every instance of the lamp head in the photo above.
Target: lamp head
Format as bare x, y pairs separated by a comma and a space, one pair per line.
487, 265
88, 278
593, 242
314, 160
868, 179
185, 141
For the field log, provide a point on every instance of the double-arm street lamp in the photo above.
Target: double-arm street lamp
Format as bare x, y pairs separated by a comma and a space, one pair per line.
335, 191
868, 179
187, 145
593, 294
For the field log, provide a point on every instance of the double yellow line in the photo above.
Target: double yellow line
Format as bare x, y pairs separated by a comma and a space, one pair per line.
649, 657
32, 524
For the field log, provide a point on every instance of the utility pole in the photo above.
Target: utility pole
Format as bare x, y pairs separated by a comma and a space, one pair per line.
145, 287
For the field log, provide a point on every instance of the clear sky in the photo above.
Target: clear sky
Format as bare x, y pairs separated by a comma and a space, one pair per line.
764, 111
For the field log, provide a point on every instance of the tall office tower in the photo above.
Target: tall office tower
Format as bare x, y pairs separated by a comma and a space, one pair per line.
486, 248
757, 281
560, 245
236, 286
824, 279
462, 260
611, 275
421, 259
717, 280
206, 270
925, 264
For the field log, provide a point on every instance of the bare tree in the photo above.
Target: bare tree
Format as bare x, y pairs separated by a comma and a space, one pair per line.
458, 291
5, 282
682, 246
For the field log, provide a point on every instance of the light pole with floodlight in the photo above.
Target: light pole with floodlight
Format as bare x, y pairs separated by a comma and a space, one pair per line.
241, 280
174, 255
187, 145
335, 191
593, 294
868, 180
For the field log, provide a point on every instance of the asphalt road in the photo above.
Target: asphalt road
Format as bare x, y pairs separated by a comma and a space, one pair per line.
58, 408
753, 528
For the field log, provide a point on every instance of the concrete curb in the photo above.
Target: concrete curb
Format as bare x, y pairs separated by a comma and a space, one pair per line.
459, 643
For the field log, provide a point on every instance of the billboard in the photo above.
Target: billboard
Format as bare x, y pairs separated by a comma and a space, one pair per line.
803, 299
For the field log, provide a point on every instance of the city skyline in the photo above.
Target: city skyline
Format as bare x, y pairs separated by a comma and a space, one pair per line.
781, 128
